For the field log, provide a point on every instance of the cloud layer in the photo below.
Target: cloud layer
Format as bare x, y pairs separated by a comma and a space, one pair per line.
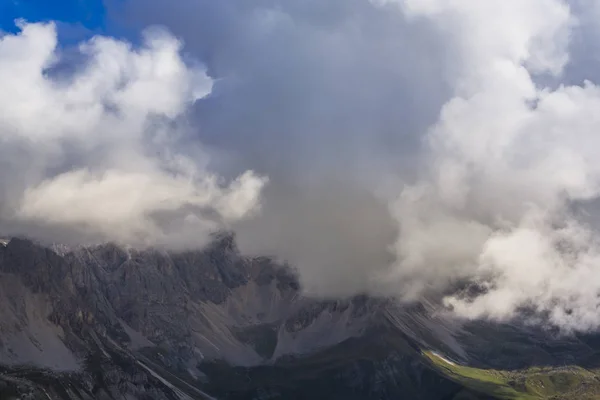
412, 147
91, 153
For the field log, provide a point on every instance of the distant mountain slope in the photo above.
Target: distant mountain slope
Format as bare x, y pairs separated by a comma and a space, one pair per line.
105, 322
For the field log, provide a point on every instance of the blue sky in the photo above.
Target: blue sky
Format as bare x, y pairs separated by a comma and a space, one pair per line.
73, 16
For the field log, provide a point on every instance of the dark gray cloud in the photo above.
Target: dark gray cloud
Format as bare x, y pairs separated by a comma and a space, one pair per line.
298, 82
330, 100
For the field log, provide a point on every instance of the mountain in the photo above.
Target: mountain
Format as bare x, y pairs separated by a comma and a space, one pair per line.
106, 322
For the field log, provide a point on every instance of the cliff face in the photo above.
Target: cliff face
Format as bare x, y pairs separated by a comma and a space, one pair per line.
109, 323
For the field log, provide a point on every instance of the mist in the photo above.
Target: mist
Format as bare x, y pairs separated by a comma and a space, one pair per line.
396, 147
330, 101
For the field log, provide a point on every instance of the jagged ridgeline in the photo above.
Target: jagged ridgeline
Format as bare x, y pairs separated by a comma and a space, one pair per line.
105, 322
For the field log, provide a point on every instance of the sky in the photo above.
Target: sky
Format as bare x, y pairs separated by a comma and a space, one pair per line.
406, 148
88, 14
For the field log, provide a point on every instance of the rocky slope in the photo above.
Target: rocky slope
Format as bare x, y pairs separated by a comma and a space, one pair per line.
112, 323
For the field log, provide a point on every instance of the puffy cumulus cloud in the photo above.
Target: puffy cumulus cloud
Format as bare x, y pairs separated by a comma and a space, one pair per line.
94, 151
549, 268
509, 164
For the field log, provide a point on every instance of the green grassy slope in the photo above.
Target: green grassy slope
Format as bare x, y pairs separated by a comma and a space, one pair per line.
571, 382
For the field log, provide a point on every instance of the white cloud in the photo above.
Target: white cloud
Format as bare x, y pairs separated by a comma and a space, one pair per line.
507, 160
105, 158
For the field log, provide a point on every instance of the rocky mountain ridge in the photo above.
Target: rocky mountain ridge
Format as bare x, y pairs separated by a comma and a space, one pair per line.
105, 322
